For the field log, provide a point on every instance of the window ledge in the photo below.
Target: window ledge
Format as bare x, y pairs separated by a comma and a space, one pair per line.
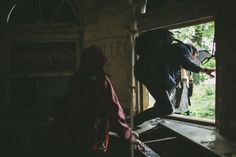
190, 119
205, 136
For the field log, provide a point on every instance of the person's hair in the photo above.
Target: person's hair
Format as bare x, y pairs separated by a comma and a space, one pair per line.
92, 58
194, 50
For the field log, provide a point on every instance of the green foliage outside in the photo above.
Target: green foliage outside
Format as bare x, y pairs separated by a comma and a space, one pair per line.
203, 98
203, 101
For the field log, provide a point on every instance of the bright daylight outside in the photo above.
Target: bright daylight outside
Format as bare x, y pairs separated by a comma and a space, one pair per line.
200, 88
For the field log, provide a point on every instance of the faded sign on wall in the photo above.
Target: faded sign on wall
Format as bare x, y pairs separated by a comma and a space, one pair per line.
114, 48
43, 56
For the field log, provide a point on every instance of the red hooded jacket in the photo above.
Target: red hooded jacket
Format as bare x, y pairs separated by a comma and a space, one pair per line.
91, 105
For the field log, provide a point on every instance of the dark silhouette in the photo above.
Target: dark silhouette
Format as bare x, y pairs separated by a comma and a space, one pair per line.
89, 110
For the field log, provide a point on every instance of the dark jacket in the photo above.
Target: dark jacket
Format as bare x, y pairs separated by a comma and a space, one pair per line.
161, 68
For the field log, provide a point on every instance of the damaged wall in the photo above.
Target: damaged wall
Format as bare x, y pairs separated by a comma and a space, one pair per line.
103, 23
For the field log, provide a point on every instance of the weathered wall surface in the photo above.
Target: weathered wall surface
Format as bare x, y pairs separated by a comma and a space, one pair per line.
105, 24
110, 31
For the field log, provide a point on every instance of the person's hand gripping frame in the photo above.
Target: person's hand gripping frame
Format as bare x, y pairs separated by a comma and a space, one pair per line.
134, 140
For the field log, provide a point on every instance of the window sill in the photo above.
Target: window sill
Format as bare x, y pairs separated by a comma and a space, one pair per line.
205, 136
190, 119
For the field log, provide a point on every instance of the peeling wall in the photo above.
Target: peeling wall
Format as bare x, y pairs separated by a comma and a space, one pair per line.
111, 33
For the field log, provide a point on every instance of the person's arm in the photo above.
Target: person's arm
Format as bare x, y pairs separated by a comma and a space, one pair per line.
114, 111
186, 59
207, 71
187, 63
116, 115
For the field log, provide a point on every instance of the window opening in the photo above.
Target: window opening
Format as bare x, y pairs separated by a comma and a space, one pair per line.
202, 100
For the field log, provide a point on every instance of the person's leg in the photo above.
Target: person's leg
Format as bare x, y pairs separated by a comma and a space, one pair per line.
162, 107
187, 113
164, 103
146, 115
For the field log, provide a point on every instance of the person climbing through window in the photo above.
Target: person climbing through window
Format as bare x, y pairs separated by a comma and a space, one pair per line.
161, 58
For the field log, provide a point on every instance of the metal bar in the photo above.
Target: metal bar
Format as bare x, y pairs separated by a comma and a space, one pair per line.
148, 152
159, 140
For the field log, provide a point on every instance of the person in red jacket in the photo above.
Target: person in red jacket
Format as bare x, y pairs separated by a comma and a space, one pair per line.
92, 109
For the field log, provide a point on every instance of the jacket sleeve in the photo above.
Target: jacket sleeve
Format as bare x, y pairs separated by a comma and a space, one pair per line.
186, 61
114, 111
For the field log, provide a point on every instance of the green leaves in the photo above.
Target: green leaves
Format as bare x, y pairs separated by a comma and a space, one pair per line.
203, 102
201, 35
